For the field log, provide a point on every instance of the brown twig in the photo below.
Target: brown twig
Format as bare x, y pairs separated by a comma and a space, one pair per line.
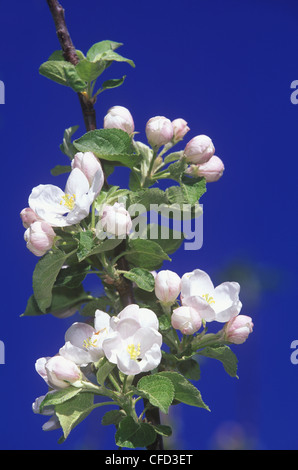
124, 286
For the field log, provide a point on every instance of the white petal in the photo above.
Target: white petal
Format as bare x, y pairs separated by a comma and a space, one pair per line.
102, 320
151, 359
196, 283
77, 183
45, 201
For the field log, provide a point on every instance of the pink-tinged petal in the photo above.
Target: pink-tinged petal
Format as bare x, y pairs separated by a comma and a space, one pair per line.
127, 365
78, 332
76, 354
226, 315
111, 346
205, 310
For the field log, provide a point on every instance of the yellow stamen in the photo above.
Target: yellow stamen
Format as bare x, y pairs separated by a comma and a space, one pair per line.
68, 201
87, 343
208, 299
133, 351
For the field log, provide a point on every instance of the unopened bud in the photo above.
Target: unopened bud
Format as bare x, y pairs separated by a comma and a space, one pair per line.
159, 131
211, 170
61, 372
39, 238
199, 149
28, 216
238, 329
186, 319
116, 220
167, 286
87, 163
119, 117
180, 128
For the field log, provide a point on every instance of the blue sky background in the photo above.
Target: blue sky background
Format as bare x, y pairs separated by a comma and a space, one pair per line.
226, 67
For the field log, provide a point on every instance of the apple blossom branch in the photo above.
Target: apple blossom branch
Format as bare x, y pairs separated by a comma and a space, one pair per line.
87, 104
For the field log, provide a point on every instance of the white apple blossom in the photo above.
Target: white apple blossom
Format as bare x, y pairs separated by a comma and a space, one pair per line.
83, 342
63, 208
219, 303
132, 348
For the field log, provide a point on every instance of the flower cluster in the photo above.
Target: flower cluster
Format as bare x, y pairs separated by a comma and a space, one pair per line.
158, 332
201, 302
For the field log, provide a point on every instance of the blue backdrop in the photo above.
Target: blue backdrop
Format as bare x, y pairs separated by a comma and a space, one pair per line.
226, 67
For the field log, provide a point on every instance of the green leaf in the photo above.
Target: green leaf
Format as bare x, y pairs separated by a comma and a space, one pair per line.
74, 411
185, 392
63, 299
44, 277
132, 435
113, 83
223, 354
163, 430
87, 249
187, 192
147, 197
72, 276
90, 71
142, 277
112, 417
59, 396
101, 303
67, 146
104, 369
64, 73
108, 144
159, 390
111, 56
174, 156
145, 253
95, 52
86, 243
74, 80
60, 170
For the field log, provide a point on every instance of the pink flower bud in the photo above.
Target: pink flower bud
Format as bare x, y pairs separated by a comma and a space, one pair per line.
167, 286
238, 329
28, 216
116, 220
186, 319
87, 163
159, 131
119, 117
180, 129
61, 372
211, 170
199, 149
39, 237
